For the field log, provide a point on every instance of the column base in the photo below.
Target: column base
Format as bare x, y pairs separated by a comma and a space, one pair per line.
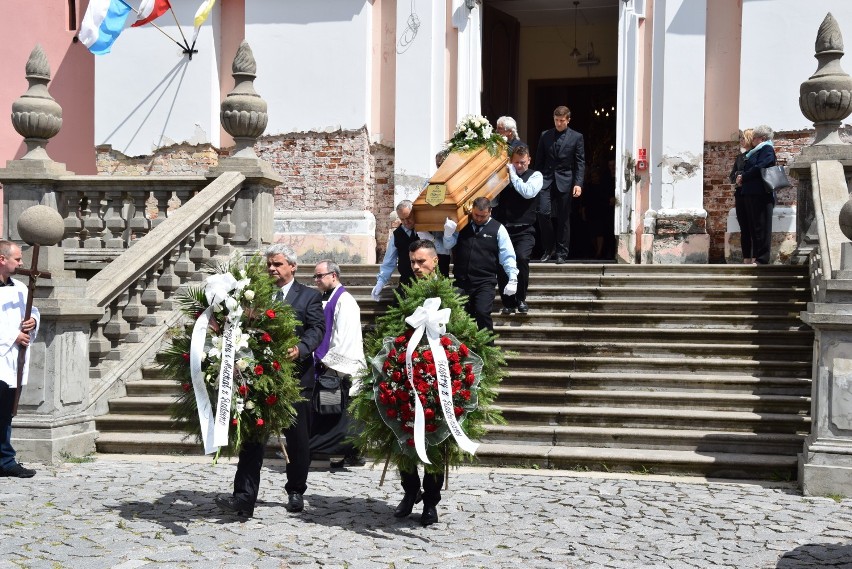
36, 440
675, 237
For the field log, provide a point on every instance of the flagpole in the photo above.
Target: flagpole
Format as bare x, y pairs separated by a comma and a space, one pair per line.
180, 29
162, 31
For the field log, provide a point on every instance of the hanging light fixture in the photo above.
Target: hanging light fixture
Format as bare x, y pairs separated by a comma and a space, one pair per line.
575, 53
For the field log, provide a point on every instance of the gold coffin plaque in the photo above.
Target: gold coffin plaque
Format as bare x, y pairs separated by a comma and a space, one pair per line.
452, 189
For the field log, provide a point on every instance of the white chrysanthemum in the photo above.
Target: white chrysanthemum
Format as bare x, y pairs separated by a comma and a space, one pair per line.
249, 405
249, 295
242, 364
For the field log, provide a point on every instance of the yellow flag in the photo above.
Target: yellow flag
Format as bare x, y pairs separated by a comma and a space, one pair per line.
203, 11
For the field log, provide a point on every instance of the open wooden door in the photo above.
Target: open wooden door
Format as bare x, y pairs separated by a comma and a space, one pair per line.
501, 35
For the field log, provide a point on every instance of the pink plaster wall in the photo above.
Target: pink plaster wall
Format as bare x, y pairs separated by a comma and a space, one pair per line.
23, 24
722, 79
383, 96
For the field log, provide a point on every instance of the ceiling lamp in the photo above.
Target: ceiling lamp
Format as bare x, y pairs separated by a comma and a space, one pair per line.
575, 53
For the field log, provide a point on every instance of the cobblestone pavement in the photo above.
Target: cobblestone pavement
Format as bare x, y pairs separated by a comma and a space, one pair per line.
132, 512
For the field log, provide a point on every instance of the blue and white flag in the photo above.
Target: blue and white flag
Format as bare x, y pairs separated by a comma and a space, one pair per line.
103, 22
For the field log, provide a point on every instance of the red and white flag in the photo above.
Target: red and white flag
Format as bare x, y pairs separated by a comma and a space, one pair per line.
150, 10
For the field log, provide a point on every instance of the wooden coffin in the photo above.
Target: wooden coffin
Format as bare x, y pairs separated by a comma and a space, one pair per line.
460, 179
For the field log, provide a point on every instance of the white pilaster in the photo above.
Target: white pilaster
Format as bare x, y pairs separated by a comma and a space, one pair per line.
420, 83
469, 63
677, 115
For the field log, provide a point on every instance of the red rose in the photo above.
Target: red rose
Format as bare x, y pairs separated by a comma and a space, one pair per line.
458, 411
456, 369
469, 379
463, 351
272, 399
431, 428
391, 400
427, 355
446, 342
258, 369
186, 386
456, 385
185, 357
410, 442
396, 376
406, 414
430, 369
400, 340
234, 421
383, 398
468, 368
453, 357
270, 313
386, 366
407, 429
429, 414
400, 359
265, 337
383, 386
422, 387
260, 422
391, 413
466, 394
415, 355
276, 366
422, 399
403, 396
243, 389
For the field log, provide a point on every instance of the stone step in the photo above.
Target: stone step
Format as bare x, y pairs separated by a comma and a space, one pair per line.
148, 420
641, 347
642, 461
660, 381
643, 438
619, 417
727, 337
153, 385
141, 405
635, 399
603, 364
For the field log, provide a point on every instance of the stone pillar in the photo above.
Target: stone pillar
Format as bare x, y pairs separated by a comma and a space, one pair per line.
678, 234
244, 117
37, 117
421, 104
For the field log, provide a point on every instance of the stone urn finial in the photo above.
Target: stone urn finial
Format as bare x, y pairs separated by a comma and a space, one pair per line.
243, 114
35, 115
826, 98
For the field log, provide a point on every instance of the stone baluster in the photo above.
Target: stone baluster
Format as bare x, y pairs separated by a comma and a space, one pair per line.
138, 224
117, 328
184, 267
214, 241
169, 282
135, 312
93, 223
199, 254
113, 220
161, 198
227, 230
71, 220
99, 345
152, 297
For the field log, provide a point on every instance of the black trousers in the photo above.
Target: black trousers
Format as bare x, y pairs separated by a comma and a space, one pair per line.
444, 264
759, 219
431, 485
745, 228
523, 240
561, 212
480, 301
247, 479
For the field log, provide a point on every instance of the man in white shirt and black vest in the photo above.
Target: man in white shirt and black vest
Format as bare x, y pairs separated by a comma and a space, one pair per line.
480, 250
517, 211
402, 237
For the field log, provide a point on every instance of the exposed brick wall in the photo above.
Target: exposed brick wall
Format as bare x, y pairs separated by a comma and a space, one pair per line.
382, 184
178, 160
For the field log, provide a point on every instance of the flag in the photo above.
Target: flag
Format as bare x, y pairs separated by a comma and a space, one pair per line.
201, 16
102, 23
150, 10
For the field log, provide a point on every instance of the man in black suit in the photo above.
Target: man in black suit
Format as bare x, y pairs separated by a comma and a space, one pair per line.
281, 262
560, 157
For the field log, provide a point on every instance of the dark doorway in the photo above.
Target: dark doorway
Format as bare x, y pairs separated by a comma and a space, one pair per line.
500, 43
592, 103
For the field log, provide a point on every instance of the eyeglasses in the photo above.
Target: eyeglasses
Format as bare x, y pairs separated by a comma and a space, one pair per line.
318, 276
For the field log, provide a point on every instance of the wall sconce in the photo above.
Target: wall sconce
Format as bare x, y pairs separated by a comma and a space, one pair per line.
590, 59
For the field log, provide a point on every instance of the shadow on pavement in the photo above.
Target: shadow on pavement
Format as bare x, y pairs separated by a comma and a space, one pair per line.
176, 509
817, 555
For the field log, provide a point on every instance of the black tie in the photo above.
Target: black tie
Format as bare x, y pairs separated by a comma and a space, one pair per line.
476, 229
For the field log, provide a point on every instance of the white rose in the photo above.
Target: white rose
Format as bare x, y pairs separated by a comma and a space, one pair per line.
231, 303
249, 405
249, 295
242, 364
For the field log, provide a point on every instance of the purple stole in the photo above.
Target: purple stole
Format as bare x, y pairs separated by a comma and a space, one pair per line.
328, 312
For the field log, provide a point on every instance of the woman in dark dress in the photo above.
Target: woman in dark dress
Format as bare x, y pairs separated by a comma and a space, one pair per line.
739, 202
758, 202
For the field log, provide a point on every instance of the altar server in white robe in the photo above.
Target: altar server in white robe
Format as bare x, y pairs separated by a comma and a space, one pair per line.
15, 334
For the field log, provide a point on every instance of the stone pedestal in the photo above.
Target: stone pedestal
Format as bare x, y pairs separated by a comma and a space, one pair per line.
784, 243
675, 237
54, 417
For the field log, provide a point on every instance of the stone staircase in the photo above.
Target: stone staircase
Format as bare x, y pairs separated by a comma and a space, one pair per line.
692, 369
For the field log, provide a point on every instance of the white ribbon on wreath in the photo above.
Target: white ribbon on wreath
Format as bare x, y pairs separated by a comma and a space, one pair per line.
214, 428
432, 320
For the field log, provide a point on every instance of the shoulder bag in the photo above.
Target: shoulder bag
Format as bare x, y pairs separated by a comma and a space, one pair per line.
328, 395
774, 178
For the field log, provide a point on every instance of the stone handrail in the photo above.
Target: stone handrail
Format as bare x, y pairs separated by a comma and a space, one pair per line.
829, 193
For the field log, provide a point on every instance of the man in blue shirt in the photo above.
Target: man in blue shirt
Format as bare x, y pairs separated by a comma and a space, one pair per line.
480, 249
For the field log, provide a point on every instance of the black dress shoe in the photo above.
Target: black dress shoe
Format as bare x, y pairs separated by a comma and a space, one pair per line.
407, 504
507, 311
523, 308
429, 516
561, 260
548, 255
354, 460
18, 470
234, 505
295, 503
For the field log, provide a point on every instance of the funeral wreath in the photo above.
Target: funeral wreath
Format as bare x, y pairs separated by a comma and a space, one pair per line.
472, 133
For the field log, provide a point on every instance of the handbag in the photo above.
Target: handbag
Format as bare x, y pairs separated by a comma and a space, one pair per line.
328, 395
774, 178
